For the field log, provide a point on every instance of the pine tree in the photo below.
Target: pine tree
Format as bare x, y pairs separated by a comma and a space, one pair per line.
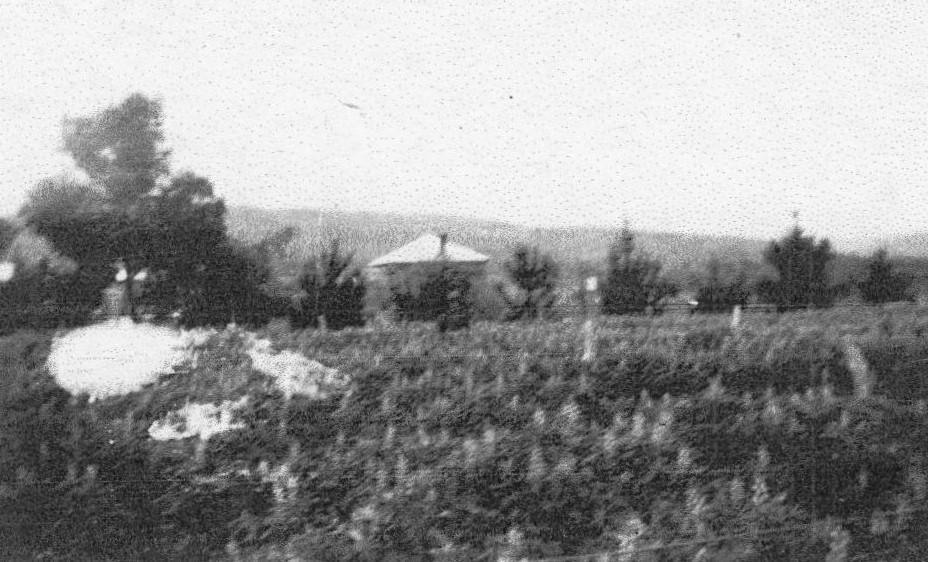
331, 291
634, 283
802, 266
535, 275
883, 284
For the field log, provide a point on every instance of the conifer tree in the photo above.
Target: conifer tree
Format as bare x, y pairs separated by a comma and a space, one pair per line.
535, 275
802, 265
634, 284
882, 283
331, 290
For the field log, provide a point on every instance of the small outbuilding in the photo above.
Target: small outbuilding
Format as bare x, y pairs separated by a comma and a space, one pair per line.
425, 253
408, 265
429, 249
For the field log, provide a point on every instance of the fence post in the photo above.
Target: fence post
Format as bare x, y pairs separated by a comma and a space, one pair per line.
589, 302
857, 364
736, 318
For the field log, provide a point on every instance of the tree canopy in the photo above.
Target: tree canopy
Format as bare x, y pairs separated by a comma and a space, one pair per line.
535, 275
634, 284
134, 211
883, 284
120, 147
803, 274
330, 289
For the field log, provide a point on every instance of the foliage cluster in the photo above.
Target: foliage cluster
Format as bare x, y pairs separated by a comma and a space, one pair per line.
882, 284
633, 282
720, 296
802, 268
535, 276
442, 293
330, 290
132, 211
681, 437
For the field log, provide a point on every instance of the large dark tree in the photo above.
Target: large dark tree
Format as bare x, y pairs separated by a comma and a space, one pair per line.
132, 211
634, 283
882, 283
535, 276
802, 265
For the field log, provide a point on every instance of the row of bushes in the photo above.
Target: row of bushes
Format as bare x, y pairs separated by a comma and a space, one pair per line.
633, 284
243, 283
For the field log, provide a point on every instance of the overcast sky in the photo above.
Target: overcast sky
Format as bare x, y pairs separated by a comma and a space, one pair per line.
717, 117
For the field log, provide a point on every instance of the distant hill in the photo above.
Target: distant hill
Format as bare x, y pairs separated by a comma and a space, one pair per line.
576, 249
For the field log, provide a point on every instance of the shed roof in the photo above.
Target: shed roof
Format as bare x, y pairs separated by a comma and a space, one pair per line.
428, 249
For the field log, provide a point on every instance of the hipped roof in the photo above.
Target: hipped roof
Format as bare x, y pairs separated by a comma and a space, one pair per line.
427, 249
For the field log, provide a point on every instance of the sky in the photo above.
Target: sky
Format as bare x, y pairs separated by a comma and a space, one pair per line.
689, 116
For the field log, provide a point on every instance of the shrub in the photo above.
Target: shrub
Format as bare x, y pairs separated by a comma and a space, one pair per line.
882, 284
633, 282
803, 273
441, 294
330, 289
535, 276
720, 296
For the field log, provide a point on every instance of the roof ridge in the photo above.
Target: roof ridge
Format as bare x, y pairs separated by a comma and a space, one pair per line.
422, 250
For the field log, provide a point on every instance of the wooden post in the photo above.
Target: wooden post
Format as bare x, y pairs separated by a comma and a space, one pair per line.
589, 302
736, 318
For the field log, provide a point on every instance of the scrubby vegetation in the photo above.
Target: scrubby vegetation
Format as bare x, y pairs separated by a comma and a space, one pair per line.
719, 295
535, 277
634, 283
443, 294
330, 290
794, 437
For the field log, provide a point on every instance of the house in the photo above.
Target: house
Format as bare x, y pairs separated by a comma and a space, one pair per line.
428, 251
407, 266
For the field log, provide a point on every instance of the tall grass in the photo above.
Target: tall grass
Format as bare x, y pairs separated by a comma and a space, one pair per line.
681, 439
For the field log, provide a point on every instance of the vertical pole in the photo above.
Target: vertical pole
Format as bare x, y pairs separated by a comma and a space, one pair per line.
589, 344
736, 318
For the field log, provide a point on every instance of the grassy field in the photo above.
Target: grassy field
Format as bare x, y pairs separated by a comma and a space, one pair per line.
796, 436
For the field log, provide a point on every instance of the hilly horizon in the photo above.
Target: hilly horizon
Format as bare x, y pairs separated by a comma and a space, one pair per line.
577, 249
372, 233
914, 244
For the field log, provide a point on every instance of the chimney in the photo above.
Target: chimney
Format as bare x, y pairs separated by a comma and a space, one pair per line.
443, 242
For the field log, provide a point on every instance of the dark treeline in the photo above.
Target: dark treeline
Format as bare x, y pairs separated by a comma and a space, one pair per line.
168, 232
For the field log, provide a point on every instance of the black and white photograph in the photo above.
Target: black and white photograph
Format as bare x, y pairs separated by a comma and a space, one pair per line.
453, 281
